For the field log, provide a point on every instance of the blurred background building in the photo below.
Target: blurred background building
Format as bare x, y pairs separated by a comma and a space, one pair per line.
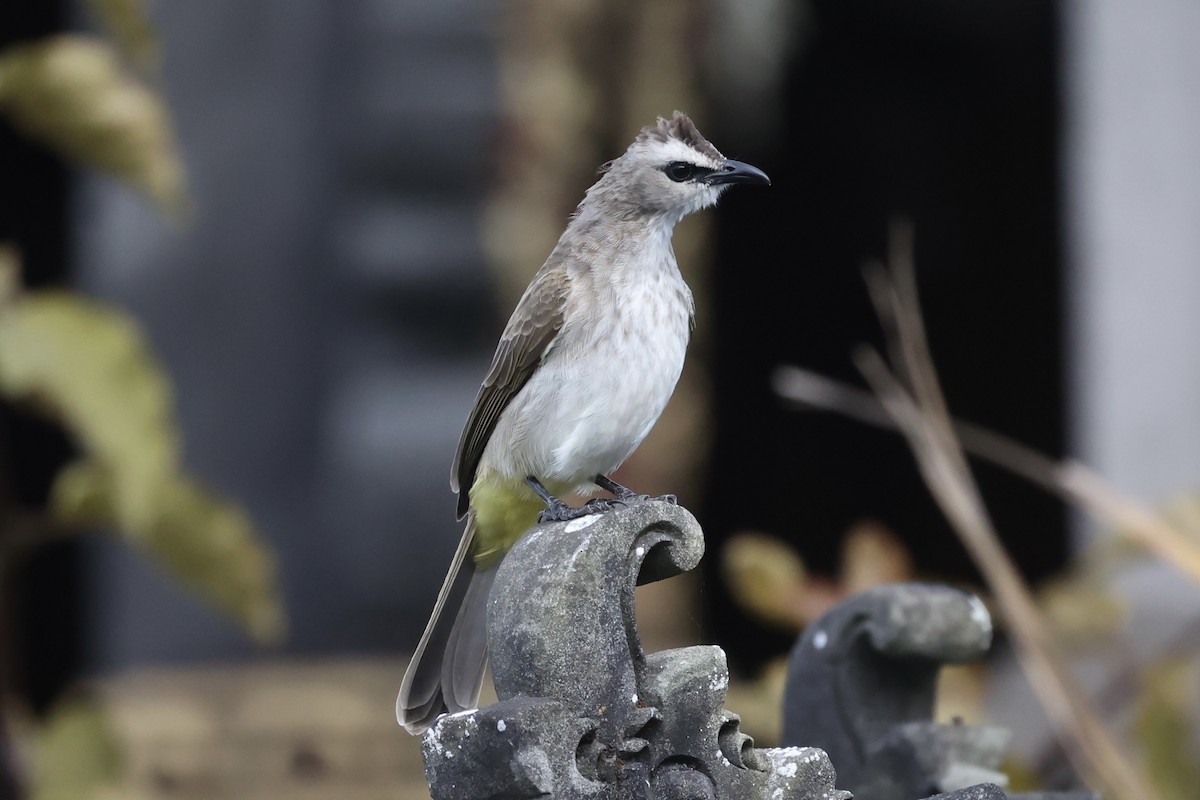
327, 311
324, 311
370, 180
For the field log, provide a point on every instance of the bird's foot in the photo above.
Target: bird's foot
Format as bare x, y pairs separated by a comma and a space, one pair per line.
599, 505
633, 499
627, 497
558, 511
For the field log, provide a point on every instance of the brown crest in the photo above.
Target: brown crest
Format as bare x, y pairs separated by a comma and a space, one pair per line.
681, 128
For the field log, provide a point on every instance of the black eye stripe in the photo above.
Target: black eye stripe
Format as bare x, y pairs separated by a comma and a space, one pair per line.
680, 171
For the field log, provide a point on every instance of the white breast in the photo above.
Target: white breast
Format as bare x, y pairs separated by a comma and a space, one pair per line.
603, 385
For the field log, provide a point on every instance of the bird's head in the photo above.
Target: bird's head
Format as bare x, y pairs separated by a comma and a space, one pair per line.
672, 170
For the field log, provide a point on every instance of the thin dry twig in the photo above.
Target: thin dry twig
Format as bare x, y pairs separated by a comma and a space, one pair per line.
1073, 481
919, 411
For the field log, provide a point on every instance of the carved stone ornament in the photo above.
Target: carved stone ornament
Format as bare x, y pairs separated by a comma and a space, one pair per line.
583, 711
862, 682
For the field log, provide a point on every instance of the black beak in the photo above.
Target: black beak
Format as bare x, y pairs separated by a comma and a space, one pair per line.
737, 172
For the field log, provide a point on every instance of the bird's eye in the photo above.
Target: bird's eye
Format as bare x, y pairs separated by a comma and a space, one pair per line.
679, 171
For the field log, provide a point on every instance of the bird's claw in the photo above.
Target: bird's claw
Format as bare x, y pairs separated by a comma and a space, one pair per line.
599, 505
634, 499
561, 512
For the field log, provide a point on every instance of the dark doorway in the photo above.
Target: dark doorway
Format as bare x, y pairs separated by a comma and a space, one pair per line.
946, 114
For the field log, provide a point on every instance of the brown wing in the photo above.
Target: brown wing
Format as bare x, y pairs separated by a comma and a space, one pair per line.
530, 334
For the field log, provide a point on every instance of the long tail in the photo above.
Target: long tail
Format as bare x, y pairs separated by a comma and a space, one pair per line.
446, 671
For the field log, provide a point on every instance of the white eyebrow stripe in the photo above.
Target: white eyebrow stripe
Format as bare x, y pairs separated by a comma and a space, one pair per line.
675, 150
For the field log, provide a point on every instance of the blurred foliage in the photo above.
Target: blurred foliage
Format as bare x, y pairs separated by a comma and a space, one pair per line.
207, 542
1021, 777
768, 578
1081, 609
1165, 730
1048, 632
1181, 513
128, 23
872, 555
71, 93
87, 367
74, 755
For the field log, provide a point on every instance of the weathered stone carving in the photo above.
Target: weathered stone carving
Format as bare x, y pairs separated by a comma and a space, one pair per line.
861, 685
990, 791
583, 712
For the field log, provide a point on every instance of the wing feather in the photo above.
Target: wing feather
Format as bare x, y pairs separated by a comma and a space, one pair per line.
526, 340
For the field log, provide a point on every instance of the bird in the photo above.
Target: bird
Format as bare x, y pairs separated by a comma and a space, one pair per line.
583, 370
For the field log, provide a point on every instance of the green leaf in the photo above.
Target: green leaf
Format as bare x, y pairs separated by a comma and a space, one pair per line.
71, 93
88, 367
206, 542
74, 755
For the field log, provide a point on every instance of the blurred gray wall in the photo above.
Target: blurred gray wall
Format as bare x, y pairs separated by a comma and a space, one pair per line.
1133, 198
320, 313
1133, 156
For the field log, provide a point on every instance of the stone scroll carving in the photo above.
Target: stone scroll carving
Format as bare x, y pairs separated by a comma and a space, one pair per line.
583, 712
862, 682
